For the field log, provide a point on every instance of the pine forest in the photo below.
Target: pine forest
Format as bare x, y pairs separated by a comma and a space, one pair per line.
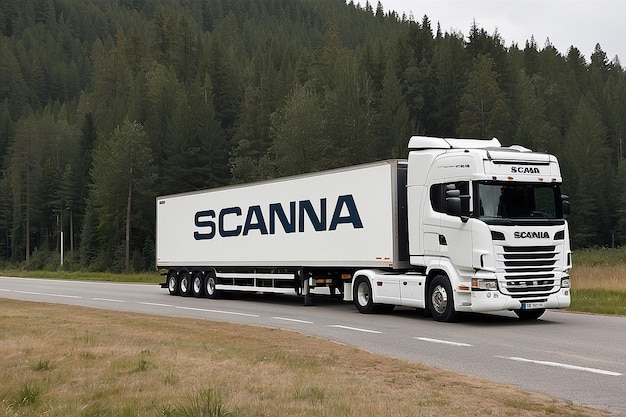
106, 104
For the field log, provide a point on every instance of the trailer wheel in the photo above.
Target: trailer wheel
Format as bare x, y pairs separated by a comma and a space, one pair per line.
197, 285
363, 295
442, 299
172, 282
529, 315
184, 284
209, 286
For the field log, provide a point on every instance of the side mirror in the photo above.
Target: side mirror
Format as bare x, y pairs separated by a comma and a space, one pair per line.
454, 203
566, 205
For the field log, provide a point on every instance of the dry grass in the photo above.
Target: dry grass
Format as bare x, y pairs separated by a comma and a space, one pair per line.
606, 277
69, 361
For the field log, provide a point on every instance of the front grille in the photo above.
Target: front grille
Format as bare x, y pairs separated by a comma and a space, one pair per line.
527, 270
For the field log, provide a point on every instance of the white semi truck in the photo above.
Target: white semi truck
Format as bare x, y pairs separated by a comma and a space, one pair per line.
462, 225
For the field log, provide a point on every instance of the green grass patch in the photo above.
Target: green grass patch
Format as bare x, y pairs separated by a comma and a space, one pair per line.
27, 394
205, 403
43, 365
144, 277
599, 301
599, 256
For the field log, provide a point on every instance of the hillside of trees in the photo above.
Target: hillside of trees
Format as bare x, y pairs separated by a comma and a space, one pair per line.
106, 104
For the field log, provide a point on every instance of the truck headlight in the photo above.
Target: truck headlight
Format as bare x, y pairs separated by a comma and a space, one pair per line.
484, 284
565, 283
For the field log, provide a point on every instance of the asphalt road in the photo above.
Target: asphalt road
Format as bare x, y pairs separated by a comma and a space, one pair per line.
576, 357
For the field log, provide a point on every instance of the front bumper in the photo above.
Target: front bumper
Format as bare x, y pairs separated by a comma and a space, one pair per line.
484, 301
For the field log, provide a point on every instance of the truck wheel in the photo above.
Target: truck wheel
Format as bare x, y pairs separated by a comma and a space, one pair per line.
529, 315
363, 295
197, 285
184, 284
442, 299
172, 282
209, 286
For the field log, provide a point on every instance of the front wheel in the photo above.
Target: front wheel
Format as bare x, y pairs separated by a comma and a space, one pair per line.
442, 299
529, 315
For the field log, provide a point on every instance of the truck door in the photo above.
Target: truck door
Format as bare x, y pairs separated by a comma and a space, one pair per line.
455, 232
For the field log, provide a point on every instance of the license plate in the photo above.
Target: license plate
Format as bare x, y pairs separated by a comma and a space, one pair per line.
530, 306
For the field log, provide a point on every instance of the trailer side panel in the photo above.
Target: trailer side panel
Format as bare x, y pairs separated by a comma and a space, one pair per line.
339, 218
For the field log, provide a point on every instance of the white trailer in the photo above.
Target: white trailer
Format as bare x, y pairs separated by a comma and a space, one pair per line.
462, 225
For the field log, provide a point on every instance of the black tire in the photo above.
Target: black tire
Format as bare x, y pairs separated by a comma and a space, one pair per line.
197, 285
362, 295
209, 286
530, 315
172, 282
184, 284
441, 299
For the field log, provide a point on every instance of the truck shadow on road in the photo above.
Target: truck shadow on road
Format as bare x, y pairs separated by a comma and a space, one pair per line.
476, 319
327, 302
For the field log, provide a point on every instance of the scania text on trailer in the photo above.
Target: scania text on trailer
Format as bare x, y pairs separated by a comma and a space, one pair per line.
462, 225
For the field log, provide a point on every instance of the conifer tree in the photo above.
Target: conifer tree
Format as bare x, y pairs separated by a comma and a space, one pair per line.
25, 152
532, 130
586, 172
123, 177
301, 143
484, 112
351, 115
451, 62
395, 123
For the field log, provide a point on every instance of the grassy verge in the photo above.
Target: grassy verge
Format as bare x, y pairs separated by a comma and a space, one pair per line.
144, 277
599, 281
599, 301
69, 361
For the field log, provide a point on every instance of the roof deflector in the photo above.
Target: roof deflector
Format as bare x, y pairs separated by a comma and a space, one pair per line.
427, 142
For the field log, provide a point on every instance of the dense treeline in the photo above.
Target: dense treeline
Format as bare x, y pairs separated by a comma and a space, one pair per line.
106, 104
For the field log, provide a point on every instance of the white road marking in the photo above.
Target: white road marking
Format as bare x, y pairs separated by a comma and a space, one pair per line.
111, 300
155, 304
563, 365
294, 320
354, 328
444, 342
40, 293
217, 311
62, 295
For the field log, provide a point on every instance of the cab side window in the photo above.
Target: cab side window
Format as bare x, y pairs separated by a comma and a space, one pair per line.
437, 199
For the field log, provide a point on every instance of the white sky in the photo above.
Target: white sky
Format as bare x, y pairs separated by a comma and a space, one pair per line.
579, 23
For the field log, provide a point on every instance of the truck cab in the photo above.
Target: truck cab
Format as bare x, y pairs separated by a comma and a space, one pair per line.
487, 224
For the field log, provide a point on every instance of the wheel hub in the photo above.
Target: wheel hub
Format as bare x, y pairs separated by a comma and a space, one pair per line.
440, 299
363, 294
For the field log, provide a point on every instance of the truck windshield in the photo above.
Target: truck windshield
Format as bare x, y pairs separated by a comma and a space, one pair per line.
519, 201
